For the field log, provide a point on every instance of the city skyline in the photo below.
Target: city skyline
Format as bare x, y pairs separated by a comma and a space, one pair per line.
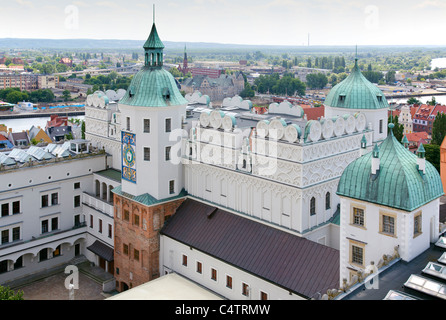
263, 22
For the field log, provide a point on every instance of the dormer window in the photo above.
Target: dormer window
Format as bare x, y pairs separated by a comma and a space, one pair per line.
341, 97
166, 93
380, 98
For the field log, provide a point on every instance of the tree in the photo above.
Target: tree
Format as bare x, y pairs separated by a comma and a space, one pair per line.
432, 102
7, 294
439, 129
66, 95
433, 155
390, 77
413, 100
248, 92
398, 129
316, 80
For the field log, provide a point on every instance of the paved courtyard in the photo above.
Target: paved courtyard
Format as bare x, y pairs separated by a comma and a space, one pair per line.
53, 288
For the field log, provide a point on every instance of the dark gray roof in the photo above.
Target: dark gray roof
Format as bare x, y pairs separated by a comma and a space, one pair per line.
289, 261
102, 250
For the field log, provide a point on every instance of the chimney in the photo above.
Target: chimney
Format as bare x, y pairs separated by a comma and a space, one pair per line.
421, 160
375, 159
363, 145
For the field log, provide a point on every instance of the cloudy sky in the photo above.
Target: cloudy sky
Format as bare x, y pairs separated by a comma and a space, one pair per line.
262, 22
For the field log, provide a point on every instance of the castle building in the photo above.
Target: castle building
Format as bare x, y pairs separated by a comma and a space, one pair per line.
389, 206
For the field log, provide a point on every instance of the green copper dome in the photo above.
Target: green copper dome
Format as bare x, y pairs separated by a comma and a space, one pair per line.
153, 86
398, 183
356, 92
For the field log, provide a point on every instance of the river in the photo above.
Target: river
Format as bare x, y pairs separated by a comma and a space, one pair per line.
21, 124
438, 63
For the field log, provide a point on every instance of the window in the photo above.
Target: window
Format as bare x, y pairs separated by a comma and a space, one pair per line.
126, 249
312, 206
213, 274
167, 153
45, 226
77, 220
199, 267
54, 198
147, 125
3, 266
171, 186
5, 209
18, 263
146, 154
44, 201
417, 224
228, 282
387, 224
357, 255
43, 255
91, 221
16, 207
136, 220
136, 254
327, 201
15, 233
263, 295
128, 123
168, 125
5, 236
380, 126
245, 289
77, 185
100, 226
358, 216
54, 224
184, 260
56, 252
110, 231
77, 201
126, 215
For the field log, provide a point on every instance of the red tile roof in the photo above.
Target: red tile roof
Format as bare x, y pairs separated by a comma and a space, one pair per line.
417, 136
314, 113
289, 261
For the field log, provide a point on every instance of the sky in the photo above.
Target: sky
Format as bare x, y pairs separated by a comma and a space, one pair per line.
256, 22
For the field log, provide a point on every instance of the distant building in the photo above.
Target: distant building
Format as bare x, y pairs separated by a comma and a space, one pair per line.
19, 139
25, 82
66, 61
211, 73
47, 82
302, 72
5, 143
216, 88
39, 135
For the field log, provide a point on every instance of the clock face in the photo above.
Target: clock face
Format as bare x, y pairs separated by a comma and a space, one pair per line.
129, 156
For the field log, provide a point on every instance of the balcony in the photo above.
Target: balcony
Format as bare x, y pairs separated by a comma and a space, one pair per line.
97, 204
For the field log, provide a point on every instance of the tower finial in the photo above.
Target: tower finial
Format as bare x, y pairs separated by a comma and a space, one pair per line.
356, 54
153, 13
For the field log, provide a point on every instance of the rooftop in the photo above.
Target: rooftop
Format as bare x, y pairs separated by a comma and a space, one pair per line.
288, 261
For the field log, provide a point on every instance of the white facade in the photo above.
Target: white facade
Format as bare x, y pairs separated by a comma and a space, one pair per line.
155, 132
406, 119
44, 225
279, 180
369, 239
171, 259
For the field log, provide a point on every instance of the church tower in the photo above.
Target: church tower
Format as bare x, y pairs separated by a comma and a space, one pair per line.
152, 112
185, 68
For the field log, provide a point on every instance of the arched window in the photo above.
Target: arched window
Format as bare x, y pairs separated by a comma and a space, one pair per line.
327, 201
313, 206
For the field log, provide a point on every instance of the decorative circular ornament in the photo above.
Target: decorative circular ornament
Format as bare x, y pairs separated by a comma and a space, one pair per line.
327, 129
361, 122
350, 124
204, 119
262, 128
339, 126
315, 131
277, 129
216, 119
128, 155
292, 133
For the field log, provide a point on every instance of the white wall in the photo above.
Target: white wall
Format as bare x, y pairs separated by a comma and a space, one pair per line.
171, 259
